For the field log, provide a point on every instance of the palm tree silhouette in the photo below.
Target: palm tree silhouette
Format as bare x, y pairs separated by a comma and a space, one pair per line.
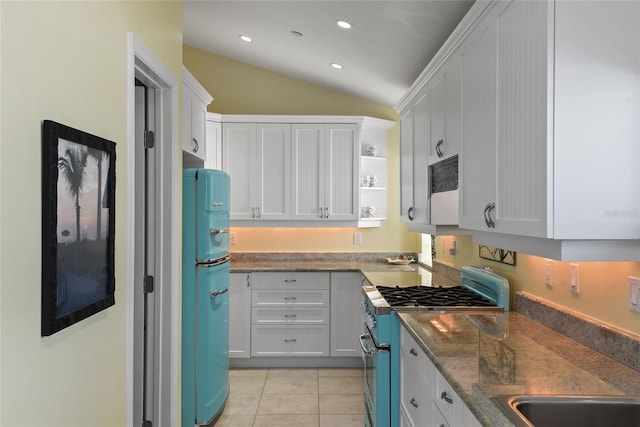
73, 166
98, 156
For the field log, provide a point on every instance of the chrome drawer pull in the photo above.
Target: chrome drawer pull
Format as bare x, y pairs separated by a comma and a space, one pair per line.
289, 316
290, 340
413, 352
289, 298
446, 398
289, 280
413, 402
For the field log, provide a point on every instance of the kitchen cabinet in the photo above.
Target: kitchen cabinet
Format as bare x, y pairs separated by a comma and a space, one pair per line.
444, 91
534, 162
319, 176
426, 398
213, 144
416, 383
240, 315
258, 159
346, 314
290, 314
413, 160
194, 110
325, 171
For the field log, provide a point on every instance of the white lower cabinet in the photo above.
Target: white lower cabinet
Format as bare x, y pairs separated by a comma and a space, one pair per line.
290, 314
426, 398
240, 315
346, 314
295, 314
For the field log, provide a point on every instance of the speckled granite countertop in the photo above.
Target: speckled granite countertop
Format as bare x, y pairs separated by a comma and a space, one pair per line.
484, 355
373, 265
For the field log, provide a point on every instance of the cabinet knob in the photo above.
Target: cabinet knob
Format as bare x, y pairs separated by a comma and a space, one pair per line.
413, 402
446, 398
413, 352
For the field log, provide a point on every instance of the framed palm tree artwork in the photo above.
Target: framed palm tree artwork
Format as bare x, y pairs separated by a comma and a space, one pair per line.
78, 225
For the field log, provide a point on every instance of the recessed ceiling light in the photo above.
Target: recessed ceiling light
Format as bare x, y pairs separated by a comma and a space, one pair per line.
296, 33
246, 39
344, 24
337, 66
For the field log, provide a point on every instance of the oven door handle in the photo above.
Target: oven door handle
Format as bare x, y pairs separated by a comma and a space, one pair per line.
370, 352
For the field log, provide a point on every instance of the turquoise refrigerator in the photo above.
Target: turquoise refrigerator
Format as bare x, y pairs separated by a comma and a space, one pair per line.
205, 297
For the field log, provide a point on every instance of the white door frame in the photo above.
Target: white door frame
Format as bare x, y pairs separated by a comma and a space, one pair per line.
143, 64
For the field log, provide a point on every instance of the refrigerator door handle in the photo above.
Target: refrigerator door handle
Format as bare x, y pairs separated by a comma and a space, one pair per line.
216, 292
208, 263
215, 231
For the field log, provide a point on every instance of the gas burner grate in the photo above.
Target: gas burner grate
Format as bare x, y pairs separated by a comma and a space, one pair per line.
429, 296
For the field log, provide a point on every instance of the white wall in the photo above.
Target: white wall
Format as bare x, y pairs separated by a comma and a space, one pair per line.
64, 61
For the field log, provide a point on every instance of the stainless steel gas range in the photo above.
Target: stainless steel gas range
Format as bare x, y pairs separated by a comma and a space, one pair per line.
479, 290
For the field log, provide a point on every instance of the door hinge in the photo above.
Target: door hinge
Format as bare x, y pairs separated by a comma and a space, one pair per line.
147, 423
149, 139
148, 284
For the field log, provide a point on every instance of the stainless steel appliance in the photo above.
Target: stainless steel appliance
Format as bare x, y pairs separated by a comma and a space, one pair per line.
205, 298
480, 289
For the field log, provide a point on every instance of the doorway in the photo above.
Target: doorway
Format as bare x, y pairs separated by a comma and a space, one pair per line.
152, 235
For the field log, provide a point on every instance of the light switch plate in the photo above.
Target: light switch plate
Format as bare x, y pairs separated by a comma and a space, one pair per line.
634, 293
575, 278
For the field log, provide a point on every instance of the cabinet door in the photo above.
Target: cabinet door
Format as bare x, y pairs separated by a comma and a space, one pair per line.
308, 171
406, 165
213, 138
346, 314
273, 168
240, 315
436, 98
478, 171
342, 153
521, 140
420, 153
198, 126
238, 160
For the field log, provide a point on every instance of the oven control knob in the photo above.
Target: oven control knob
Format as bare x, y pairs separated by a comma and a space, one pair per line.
371, 322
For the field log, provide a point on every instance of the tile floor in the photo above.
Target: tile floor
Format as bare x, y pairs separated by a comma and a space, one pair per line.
294, 398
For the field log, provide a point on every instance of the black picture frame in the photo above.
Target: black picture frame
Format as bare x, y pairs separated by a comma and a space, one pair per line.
78, 225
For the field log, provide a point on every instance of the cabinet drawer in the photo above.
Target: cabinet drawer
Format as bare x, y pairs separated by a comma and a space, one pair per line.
290, 298
290, 340
290, 280
448, 401
262, 315
438, 418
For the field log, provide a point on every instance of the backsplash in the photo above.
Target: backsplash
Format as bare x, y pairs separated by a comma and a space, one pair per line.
612, 342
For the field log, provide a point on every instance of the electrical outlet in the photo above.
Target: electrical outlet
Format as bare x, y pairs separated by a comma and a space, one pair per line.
357, 238
634, 293
575, 278
232, 238
548, 273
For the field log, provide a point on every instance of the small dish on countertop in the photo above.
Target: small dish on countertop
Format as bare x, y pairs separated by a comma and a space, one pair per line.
400, 261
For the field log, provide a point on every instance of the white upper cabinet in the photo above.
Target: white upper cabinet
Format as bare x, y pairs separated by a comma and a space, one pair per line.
550, 129
194, 107
258, 159
213, 138
561, 163
445, 111
305, 169
325, 171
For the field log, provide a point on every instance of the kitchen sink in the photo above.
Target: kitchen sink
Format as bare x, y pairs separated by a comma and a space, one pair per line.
563, 411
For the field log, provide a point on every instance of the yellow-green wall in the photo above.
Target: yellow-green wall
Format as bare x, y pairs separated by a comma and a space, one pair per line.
65, 61
604, 289
239, 88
